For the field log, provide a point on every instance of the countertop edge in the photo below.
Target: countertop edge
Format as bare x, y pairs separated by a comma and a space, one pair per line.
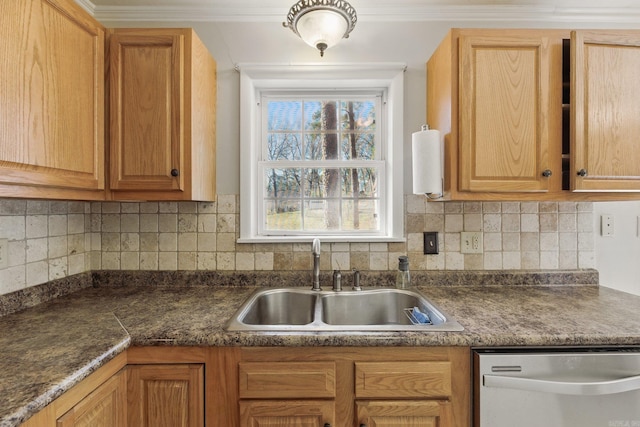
58, 389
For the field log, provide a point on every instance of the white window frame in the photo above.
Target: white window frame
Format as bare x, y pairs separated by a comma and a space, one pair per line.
256, 79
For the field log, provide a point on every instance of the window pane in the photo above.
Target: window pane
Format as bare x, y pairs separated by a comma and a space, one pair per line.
314, 183
330, 141
282, 183
360, 182
312, 115
313, 146
358, 115
284, 115
284, 146
315, 215
360, 215
358, 146
284, 215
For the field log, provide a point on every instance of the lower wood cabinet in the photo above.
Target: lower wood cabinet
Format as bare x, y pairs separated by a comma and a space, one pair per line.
287, 413
104, 407
142, 387
169, 395
283, 386
405, 413
97, 401
271, 387
346, 387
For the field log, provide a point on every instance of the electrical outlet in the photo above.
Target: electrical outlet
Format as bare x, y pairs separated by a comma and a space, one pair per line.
606, 225
4, 253
471, 242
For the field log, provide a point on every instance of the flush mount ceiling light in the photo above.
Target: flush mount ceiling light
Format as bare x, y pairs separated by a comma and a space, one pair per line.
321, 23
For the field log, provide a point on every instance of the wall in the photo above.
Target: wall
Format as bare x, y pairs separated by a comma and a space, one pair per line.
201, 236
47, 240
51, 240
618, 256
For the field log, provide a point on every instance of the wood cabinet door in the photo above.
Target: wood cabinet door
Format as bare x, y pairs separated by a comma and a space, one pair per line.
51, 100
165, 395
286, 413
269, 380
105, 407
426, 413
505, 112
605, 111
147, 110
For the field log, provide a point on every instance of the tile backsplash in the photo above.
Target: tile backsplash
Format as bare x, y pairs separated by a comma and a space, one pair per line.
53, 239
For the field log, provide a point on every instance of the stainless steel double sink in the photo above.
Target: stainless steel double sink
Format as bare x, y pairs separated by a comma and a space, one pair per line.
306, 310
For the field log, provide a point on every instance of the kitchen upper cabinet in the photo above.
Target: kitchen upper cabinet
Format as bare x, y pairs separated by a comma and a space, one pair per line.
605, 111
505, 106
495, 95
526, 115
51, 101
163, 115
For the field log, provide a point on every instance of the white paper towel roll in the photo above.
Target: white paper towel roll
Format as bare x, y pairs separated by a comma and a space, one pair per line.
427, 162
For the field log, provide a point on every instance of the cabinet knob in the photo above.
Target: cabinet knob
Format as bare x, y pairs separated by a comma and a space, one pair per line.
546, 173
363, 425
582, 172
175, 172
327, 424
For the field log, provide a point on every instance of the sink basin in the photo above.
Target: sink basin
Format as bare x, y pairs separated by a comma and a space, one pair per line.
375, 307
304, 310
268, 308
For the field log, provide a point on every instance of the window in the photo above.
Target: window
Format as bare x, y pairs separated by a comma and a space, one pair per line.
317, 161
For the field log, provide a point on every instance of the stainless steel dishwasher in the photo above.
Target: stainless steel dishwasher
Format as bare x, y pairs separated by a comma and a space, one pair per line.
557, 388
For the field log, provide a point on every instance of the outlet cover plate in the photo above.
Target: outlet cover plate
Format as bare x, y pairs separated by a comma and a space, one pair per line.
471, 242
606, 225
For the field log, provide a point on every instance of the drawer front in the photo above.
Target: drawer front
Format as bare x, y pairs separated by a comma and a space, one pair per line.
264, 380
403, 379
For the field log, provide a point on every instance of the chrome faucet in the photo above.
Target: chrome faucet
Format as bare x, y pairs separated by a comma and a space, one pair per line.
315, 250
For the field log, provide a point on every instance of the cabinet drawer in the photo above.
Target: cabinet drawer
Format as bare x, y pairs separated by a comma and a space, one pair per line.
287, 379
403, 379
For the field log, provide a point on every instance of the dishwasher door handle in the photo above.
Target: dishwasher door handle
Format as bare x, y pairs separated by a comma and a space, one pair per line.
588, 388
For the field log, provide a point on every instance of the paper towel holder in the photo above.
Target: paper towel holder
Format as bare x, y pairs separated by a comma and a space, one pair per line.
426, 146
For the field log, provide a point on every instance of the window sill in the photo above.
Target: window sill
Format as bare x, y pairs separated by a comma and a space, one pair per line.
323, 239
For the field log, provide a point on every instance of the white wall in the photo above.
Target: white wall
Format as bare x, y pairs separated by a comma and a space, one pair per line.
618, 256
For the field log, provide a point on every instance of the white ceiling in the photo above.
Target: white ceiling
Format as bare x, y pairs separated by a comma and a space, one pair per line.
614, 11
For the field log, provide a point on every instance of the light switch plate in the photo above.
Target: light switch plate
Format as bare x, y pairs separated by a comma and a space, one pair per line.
430, 242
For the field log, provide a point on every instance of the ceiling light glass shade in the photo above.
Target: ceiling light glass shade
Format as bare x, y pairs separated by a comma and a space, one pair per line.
321, 23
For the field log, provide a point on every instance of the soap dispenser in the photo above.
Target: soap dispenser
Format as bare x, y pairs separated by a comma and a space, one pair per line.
403, 278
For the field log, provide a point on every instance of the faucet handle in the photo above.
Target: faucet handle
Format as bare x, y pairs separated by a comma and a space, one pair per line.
337, 280
315, 246
356, 280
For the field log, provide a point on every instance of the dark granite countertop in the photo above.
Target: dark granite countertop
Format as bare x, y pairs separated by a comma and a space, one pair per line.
48, 348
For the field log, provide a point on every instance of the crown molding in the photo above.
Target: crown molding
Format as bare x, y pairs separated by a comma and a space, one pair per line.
87, 5
402, 11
